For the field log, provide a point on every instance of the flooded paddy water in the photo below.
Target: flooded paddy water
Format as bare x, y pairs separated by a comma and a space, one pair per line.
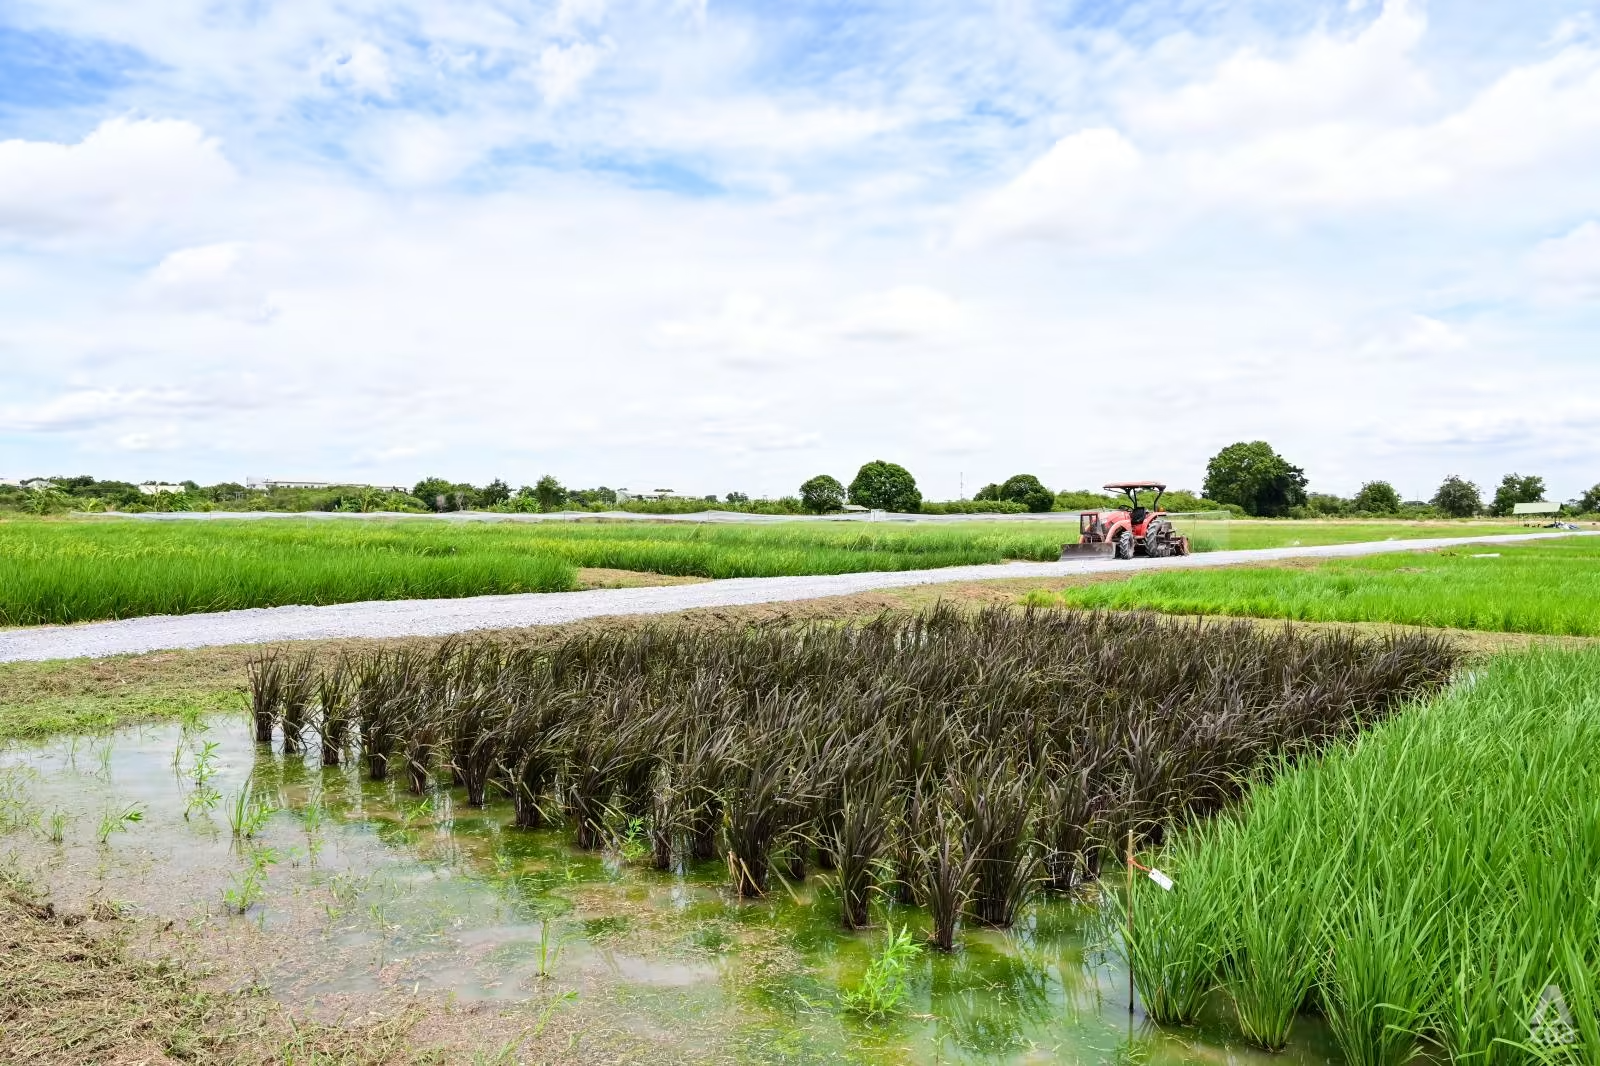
351, 889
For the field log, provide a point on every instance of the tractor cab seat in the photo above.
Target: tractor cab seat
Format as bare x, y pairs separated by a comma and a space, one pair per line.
1138, 515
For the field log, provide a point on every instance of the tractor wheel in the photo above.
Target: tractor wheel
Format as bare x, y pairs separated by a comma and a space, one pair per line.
1158, 540
1125, 545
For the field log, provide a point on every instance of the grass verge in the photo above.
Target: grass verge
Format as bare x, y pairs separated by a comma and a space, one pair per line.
1547, 587
1430, 886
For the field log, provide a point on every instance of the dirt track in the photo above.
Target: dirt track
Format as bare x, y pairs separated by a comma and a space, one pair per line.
401, 618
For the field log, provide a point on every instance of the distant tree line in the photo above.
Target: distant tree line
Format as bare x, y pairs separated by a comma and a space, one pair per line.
1255, 479
1247, 478
885, 486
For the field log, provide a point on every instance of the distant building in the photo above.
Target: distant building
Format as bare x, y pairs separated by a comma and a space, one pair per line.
155, 488
624, 495
38, 483
267, 484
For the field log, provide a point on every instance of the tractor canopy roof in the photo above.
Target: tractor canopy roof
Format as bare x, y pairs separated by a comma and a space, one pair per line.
1123, 486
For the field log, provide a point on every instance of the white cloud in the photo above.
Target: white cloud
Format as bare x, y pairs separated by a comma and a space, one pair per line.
1413, 337
1080, 192
905, 312
761, 123
1367, 77
363, 67
572, 15
563, 68
1336, 127
1567, 268
207, 277
87, 408
414, 150
162, 439
747, 332
127, 175
495, 243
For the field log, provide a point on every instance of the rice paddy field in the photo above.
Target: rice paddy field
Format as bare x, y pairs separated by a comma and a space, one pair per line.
877, 842
1430, 889
61, 571
1013, 835
1549, 587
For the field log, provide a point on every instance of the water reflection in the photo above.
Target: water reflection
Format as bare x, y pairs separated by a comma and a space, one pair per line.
424, 892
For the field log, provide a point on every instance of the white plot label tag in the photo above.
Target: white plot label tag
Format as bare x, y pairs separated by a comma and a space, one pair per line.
1161, 879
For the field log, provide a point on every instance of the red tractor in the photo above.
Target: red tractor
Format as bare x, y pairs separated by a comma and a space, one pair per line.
1132, 531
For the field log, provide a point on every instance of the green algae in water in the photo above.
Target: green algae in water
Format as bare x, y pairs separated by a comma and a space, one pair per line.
381, 889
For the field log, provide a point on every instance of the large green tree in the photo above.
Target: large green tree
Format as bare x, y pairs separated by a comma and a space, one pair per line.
1028, 491
550, 493
496, 491
1377, 497
1458, 498
822, 494
437, 493
1253, 476
1589, 502
1515, 489
885, 486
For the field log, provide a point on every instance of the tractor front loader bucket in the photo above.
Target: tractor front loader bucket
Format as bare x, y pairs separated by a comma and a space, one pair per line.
1101, 550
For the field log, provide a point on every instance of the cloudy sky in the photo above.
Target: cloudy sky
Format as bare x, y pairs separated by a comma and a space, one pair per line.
721, 246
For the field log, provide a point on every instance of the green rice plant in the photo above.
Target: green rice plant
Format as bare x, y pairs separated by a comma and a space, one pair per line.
884, 986
1545, 587
1438, 875
60, 572
1274, 966
1174, 941
1379, 983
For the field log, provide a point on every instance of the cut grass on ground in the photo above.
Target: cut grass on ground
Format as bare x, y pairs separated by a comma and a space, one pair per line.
1434, 883
76, 993
60, 571
1548, 587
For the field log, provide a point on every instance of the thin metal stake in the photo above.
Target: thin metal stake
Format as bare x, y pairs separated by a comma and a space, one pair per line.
1130, 922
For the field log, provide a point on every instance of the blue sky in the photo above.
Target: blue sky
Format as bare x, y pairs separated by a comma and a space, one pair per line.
727, 246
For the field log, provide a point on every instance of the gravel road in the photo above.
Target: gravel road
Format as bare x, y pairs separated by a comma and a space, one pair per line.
404, 618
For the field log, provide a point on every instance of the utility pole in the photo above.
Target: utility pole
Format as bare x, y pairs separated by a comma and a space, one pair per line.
961, 482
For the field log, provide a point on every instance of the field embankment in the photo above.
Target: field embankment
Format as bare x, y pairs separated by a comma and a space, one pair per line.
1432, 885
1548, 587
